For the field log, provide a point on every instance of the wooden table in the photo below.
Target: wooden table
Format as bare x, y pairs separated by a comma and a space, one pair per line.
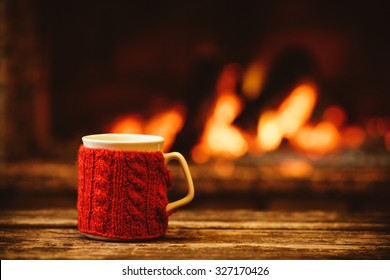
204, 234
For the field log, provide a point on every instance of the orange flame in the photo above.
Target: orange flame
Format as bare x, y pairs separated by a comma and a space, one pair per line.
166, 124
320, 139
131, 123
288, 121
220, 137
291, 115
222, 140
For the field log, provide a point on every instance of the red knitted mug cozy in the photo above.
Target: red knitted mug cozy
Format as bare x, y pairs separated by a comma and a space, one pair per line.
122, 194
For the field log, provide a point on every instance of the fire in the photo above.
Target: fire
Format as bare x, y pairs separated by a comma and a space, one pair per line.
336, 115
296, 168
220, 137
253, 80
289, 121
319, 139
353, 137
285, 122
222, 141
269, 134
131, 123
166, 124
330, 134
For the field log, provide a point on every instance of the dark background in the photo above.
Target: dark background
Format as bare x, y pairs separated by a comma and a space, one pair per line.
109, 58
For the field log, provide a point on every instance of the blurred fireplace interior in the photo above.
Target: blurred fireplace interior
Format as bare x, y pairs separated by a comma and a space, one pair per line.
74, 68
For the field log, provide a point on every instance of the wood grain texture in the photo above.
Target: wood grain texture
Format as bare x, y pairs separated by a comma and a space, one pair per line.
212, 234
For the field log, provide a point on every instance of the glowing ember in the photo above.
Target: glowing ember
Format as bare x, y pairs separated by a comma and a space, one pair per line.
291, 115
353, 137
223, 167
387, 141
296, 168
378, 126
335, 114
166, 124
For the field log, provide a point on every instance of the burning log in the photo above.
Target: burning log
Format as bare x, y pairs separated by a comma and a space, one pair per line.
286, 73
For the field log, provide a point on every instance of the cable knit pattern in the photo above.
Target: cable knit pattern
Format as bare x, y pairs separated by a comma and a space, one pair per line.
122, 194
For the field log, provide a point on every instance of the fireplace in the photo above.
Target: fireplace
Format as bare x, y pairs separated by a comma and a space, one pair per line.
274, 104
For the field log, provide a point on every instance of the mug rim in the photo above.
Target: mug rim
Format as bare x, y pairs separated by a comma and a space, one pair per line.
123, 138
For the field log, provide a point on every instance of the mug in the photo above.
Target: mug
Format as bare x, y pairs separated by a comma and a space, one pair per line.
122, 186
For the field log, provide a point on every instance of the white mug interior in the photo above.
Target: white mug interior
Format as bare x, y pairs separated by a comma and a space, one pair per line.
124, 142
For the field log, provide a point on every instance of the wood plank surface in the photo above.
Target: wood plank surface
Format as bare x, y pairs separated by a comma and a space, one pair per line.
201, 234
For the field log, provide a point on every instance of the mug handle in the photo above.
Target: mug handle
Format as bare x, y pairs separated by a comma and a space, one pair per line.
190, 185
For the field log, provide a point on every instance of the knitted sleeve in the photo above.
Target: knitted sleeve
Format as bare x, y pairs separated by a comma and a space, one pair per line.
122, 194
